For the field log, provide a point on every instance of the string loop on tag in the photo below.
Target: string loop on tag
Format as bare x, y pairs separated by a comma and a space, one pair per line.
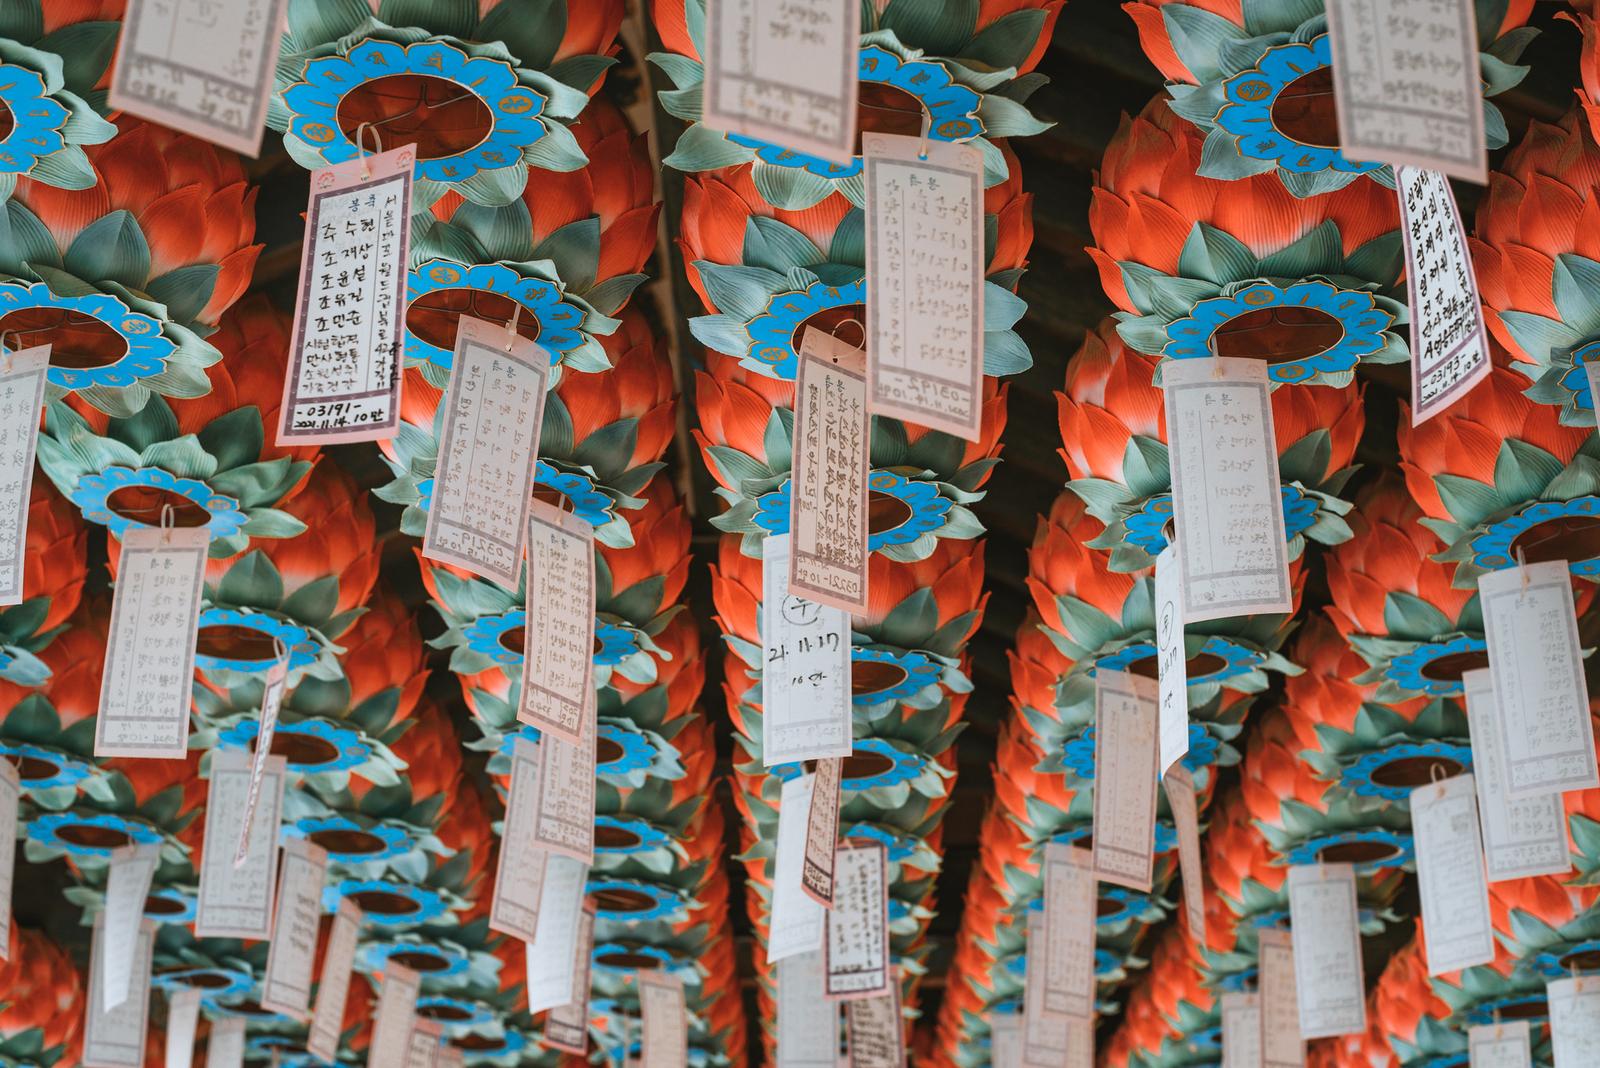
859, 325
361, 147
169, 521
1522, 568
281, 651
927, 128
7, 350
511, 327
1499, 1028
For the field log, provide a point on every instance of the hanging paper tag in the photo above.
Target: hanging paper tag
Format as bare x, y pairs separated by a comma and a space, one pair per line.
127, 887
549, 955
1172, 666
10, 797
1241, 1030
1520, 838
1501, 1045
856, 928
450, 1056
225, 1046
1281, 1044
236, 899
520, 870
565, 820
828, 497
822, 833
22, 380
483, 481
805, 668
666, 1020
183, 1016
794, 918
1226, 502
567, 1025
875, 1031
115, 1038
1066, 952
200, 67
1545, 733
1044, 1033
286, 988
1325, 921
271, 698
1449, 346
344, 376
1182, 803
808, 1023
1575, 1021
1005, 1040
1457, 929
925, 263
1406, 84
423, 1044
333, 986
396, 1014
558, 639
1124, 778
149, 665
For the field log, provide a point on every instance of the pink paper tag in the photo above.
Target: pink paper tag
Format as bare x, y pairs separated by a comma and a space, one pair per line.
558, 640
666, 1020
822, 833
828, 498
327, 1020
567, 1026
855, 936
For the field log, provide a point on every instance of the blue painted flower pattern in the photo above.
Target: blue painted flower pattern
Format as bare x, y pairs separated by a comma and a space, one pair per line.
1364, 776
297, 641
904, 766
634, 752
93, 495
1236, 660
485, 635
635, 901
1355, 310
1390, 849
1147, 528
37, 121
920, 672
146, 347
1409, 670
579, 490
64, 770
631, 835
343, 745
425, 905
1077, 754
1495, 548
925, 505
443, 961
47, 830
772, 332
560, 323
389, 841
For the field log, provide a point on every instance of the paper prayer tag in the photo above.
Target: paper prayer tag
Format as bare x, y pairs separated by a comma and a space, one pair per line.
267, 725
1182, 803
396, 1015
876, 1031
807, 1022
925, 265
1457, 929
805, 668
1125, 778
565, 820
1406, 84
10, 799
286, 987
115, 1038
346, 369
1520, 838
149, 664
483, 480
822, 834
566, 1027
236, 900
183, 1017
828, 495
1281, 1045
1241, 1030
127, 886
198, 66
333, 986
1227, 506
422, 1045
1049, 1039
794, 917
1066, 952
558, 637
1544, 731
666, 1020
22, 382
1501, 1045
856, 929
1575, 1020
1172, 666
1449, 346
225, 1045
549, 955
1005, 1040
520, 869
1325, 920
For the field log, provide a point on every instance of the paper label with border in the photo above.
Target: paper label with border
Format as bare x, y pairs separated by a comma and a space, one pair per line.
127, 887
116, 1038
183, 1018
267, 726
795, 917
488, 446
1406, 84
286, 987
1502, 1045
1520, 838
822, 833
225, 1044
10, 801
558, 638
1544, 730
564, 822
1005, 1040
422, 1045
875, 1031
1325, 920
925, 264
520, 870
333, 986
856, 929
450, 1056
236, 899
1449, 345
807, 1022
1575, 1020
805, 668
1066, 951
665, 1014
1172, 667
828, 483
1456, 926
1185, 808
1241, 1030
1125, 778
1044, 1033
149, 665
395, 1015
549, 955
201, 67
1281, 1044
784, 74
567, 1025
1227, 505
346, 370
22, 382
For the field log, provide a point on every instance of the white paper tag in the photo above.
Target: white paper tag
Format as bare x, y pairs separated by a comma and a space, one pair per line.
115, 1038
795, 917
1241, 1030
271, 699
565, 822
1184, 806
567, 1025
202, 67
805, 668
1124, 778
1456, 926
1005, 1040
1326, 919
784, 74
925, 262
1172, 666
1520, 838
127, 887
236, 900
876, 1032
807, 1022
1502, 1045
10, 798
483, 481
550, 954
856, 929
422, 1045
183, 1017
450, 1056
1281, 1044
558, 639
1575, 1021
344, 376
1449, 346
1406, 84
1066, 953
1044, 1033
333, 986
149, 665
1227, 505
22, 381
822, 833
225, 1046
1544, 729
828, 495
520, 871
396, 1015
286, 987
666, 1020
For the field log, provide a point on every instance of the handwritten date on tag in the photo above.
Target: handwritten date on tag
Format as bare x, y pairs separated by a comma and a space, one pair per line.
828, 499
805, 669
558, 638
